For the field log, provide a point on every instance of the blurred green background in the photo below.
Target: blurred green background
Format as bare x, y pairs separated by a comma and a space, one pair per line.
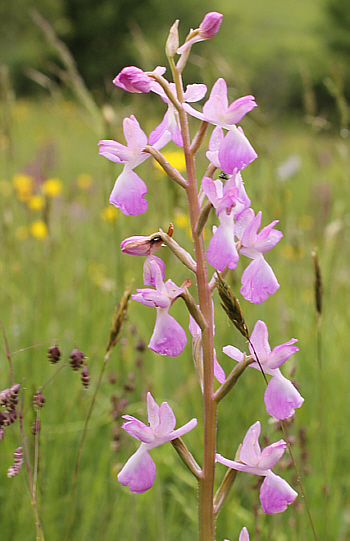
62, 273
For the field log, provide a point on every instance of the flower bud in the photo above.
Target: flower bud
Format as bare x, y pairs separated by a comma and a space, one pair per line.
17, 463
172, 43
141, 246
76, 359
210, 25
54, 354
133, 79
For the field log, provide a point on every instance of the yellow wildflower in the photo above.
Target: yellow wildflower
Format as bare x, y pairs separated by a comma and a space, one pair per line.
109, 214
176, 158
38, 229
36, 202
84, 181
52, 187
23, 185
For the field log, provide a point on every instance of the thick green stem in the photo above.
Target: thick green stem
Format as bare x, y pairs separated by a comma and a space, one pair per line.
206, 482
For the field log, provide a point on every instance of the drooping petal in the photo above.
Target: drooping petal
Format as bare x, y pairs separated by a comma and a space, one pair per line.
195, 92
276, 494
219, 373
128, 192
139, 471
168, 129
151, 297
281, 397
258, 281
235, 151
222, 249
168, 337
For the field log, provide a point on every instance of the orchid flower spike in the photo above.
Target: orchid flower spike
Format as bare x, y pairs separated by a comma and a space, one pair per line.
281, 397
168, 337
275, 493
129, 189
140, 470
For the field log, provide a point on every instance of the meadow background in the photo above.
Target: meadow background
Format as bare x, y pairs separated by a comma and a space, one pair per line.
62, 273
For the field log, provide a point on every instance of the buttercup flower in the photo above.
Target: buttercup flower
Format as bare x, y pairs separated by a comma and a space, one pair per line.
140, 470
275, 493
168, 337
281, 397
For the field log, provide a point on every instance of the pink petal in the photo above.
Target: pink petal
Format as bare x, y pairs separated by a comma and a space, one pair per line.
218, 371
268, 238
271, 454
151, 297
258, 281
167, 421
235, 151
168, 337
260, 340
222, 249
250, 451
133, 79
149, 277
210, 190
215, 108
276, 494
138, 430
244, 535
195, 92
139, 471
135, 137
234, 353
281, 397
210, 25
281, 353
152, 411
128, 192
239, 108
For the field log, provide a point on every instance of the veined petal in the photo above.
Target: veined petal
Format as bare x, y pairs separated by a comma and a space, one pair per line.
281, 397
168, 337
239, 108
139, 471
216, 106
149, 276
152, 411
268, 238
114, 151
135, 137
210, 190
128, 192
151, 297
276, 494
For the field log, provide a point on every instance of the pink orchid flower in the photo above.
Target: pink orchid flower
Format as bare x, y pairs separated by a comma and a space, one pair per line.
140, 470
133, 79
281, 397
275, 493
129, 188
139, 245
217, 111
232, 152
258, 279
168, 337
229, 200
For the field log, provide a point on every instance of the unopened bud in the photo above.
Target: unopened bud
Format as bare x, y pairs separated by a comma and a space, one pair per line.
54, 354
141, 246
133, 79
85, 377
172, 43
210, 25
76, 359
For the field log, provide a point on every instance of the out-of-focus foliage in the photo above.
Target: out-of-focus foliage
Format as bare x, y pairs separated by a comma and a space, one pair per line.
338, 33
